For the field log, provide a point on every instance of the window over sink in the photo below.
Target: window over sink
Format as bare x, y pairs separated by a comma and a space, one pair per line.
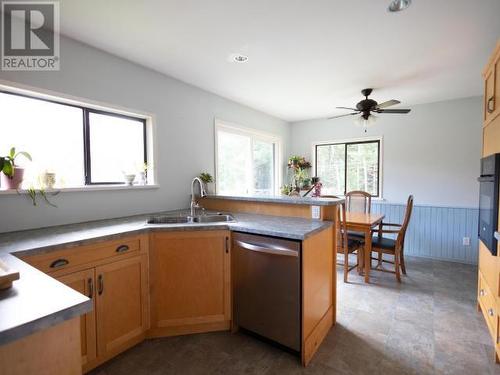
82, 145
247, 161
345, 166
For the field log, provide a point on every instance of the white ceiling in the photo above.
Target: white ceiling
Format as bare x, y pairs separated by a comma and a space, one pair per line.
305, 56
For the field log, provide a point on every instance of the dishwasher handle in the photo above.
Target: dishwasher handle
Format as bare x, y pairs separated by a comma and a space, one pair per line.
268, 249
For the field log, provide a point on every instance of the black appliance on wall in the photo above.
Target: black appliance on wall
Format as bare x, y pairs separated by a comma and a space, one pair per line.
488, 201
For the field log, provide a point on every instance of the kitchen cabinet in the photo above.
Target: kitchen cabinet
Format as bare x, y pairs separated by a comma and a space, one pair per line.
190, 282
83, 282
121, 304
488, 290
114, 274
54, 350
491, 76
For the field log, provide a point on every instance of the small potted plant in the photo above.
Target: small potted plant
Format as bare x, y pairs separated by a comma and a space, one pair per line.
143, 175
208, 181
12, 174
299, 167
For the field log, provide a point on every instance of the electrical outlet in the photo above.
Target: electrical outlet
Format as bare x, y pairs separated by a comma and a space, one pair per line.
315, 212
466, 241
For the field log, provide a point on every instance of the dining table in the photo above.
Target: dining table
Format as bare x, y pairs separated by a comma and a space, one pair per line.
364, 222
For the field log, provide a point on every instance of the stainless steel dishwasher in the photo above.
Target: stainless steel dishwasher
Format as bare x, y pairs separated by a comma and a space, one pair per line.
267, 287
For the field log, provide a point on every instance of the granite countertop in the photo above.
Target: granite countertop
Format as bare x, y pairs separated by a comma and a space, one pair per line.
283, 199
37, 301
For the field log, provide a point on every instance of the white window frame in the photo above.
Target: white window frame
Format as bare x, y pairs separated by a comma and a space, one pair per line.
49, 95
229, 127
361, 139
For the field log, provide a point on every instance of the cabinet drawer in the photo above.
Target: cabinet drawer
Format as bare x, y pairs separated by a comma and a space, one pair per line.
69, 258
487, 301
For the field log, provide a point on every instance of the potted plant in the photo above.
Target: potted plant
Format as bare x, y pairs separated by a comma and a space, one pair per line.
299, 167
12, 175
208, 181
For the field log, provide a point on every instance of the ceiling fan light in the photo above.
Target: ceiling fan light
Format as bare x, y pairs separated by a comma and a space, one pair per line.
371, 120
399, 5
359, 120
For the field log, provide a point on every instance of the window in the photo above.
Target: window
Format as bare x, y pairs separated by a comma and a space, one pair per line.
82, 146
349, 166
247, 162
116, 146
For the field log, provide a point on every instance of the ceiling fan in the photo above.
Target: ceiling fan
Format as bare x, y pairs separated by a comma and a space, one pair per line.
367, 108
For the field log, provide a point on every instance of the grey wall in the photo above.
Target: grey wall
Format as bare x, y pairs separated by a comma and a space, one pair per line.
432, 153
184, 120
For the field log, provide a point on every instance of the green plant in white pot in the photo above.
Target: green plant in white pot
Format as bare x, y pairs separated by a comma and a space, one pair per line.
208, 181
12, 174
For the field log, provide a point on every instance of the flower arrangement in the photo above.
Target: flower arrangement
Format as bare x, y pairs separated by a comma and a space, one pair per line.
299, 167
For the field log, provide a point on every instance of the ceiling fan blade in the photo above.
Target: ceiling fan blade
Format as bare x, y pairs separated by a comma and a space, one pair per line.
394, 110
388, 103
347, 114
351, 109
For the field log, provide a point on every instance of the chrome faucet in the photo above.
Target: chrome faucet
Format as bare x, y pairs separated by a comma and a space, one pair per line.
203, 193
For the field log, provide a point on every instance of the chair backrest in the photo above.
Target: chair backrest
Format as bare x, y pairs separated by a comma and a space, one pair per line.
341, 217
406, 221
358, 201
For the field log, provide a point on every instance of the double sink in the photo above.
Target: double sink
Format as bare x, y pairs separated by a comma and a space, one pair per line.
210, 218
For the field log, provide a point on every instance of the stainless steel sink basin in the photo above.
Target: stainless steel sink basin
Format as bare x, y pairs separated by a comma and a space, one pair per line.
212, 218
169, 220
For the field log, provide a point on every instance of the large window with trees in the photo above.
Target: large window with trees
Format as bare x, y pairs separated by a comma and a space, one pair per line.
247, 161
348, 166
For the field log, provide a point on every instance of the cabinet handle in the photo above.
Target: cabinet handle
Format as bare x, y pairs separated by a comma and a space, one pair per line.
491, 312
491, 105
482, 293
227, 245
100, 280
91, 287
122, 248
59, 263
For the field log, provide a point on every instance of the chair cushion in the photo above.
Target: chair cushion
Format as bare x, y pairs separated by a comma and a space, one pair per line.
383, 242
352, 243
357, 235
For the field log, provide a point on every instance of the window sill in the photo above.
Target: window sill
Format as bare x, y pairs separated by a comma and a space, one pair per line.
88, 188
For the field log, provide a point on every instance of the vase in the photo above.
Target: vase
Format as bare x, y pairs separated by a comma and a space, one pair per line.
209, 188
14, 182
49, 180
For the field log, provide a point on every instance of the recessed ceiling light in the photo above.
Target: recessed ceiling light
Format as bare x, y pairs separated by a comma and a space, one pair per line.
398, 5
238, 58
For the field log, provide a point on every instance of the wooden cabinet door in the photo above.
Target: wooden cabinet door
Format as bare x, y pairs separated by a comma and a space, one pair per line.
489, 94
190, 282
83, 282
122, 304
496, 111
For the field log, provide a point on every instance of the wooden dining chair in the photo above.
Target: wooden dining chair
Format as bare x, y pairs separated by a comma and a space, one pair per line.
358, 201
395, 247
347, 245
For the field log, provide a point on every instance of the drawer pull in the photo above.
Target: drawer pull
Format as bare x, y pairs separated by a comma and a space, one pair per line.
491, 104
59, 263
491, 312
91, 287
482, 292
122, 248
100, 280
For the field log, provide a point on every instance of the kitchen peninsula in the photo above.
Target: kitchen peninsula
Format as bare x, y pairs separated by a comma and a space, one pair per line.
140, 270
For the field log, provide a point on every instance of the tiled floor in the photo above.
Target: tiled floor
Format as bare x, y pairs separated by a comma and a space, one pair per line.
426, 325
